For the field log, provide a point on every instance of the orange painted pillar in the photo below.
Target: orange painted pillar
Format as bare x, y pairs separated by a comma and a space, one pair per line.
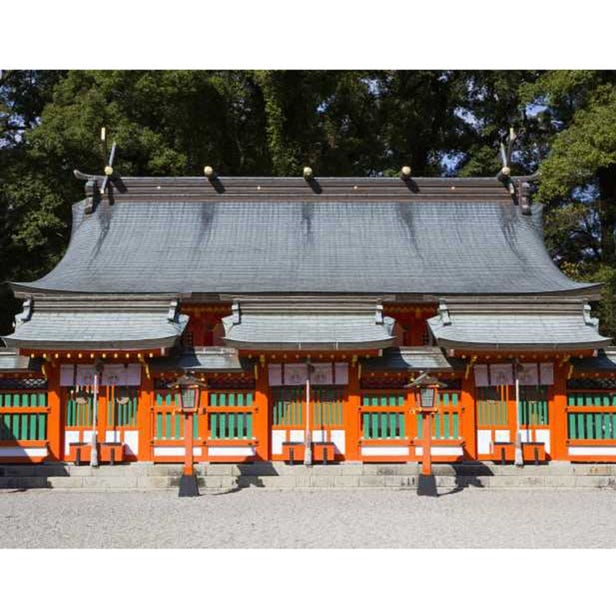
144, 417
558, 413
352, 418
55, 423
468, 417
260, 421
411, 421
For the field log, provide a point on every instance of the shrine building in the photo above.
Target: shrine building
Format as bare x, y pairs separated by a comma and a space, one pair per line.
264, 287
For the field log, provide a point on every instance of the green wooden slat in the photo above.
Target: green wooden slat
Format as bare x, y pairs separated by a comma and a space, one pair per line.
195, 427
375, 425
42, 427
32, 428
223, 426
384, 428
436, 426
248, 425
447, 426
366, 424
240, 425
179, 432
167, 433
419, 426
590, 432
231, 421
214, 425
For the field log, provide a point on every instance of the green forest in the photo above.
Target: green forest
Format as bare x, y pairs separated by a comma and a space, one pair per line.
339, 123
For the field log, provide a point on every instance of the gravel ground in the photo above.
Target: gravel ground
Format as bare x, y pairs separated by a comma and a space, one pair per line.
256, 518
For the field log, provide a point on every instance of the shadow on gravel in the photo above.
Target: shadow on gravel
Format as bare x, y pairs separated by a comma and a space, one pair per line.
468, 475
250, 477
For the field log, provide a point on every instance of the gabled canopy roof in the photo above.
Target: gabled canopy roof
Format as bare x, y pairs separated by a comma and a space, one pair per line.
97, 326
257, 235
301, 326
516, 326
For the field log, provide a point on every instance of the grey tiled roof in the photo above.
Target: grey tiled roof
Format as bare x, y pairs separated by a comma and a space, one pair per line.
97, 330
11, 361
293, 246
204, 359
308, 331
413, 358
516, 331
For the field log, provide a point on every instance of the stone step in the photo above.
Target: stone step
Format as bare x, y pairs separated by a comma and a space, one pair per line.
445, 483
277, 475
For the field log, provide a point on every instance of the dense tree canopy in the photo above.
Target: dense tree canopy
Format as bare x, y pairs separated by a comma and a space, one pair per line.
338, 122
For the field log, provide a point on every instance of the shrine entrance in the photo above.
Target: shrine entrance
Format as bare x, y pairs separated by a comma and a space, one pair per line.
326, 422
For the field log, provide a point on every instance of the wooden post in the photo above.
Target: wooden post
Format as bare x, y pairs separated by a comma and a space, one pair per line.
261, 422
55, 421
468, 416
188, 443
352, 417
411, 422
144, 417
558, 412
426, 461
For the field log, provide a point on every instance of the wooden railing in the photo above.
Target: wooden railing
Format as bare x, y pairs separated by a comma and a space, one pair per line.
23, 416
591, 416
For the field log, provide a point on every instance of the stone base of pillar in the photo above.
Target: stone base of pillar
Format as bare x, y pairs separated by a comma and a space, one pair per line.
188, 486
426, 485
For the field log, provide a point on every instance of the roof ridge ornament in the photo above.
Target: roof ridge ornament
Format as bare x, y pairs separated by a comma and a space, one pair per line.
172, 313
588, 319
378, 317
518, 189
308, 175
110, 177
236, 314
443, 311
26, 312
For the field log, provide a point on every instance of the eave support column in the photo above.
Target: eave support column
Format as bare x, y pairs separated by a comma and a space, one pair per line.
54, 419
261, 422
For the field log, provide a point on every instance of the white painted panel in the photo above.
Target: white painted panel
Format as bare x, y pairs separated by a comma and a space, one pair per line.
318, 436
446, 451
278, 438
23, 452
543, 436
502, 436
231, 451
111, 436
296, 436
131, 442
484, 441
70, 436
87, 436
385, 451
526, 435
592, 451
174, 451
338, 437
